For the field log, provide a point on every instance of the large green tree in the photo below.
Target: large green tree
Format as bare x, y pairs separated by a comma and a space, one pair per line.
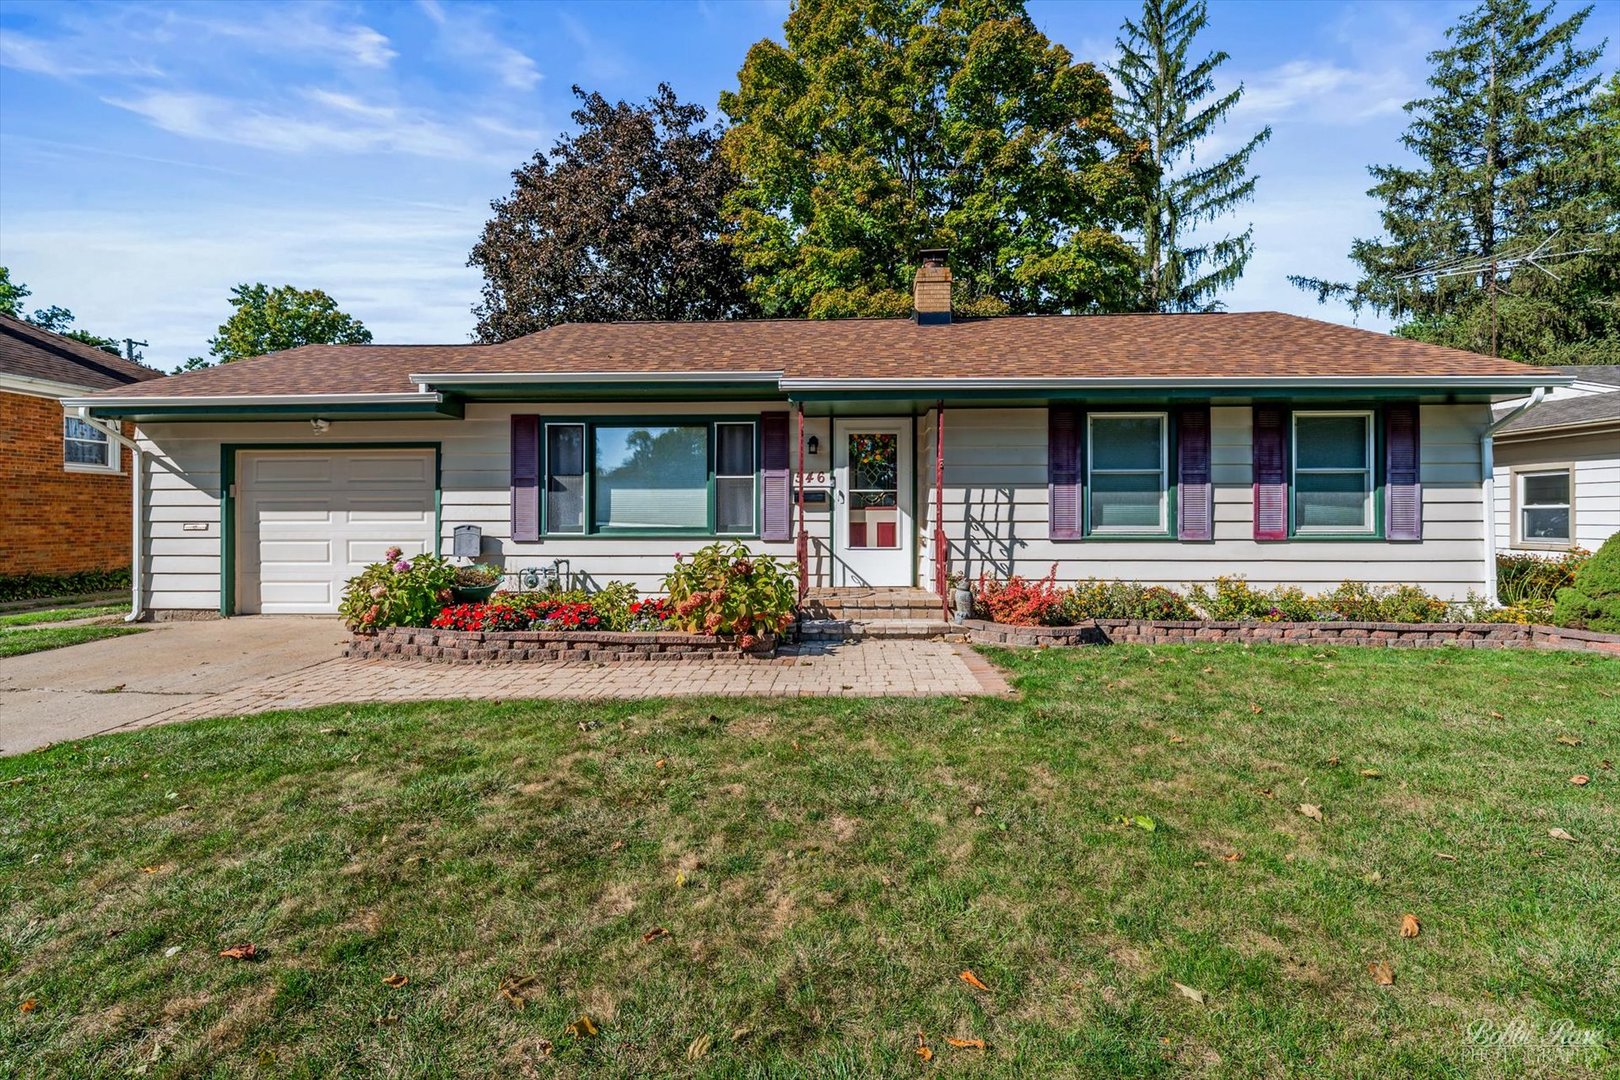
1169, 104
269, 319
1514, 158
621, 221
886, 126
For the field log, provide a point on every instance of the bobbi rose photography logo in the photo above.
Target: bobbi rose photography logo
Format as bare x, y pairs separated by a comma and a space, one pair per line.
1555, 1042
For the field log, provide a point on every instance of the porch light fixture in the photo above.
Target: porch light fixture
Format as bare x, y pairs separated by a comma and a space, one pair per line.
812, 446
320, 425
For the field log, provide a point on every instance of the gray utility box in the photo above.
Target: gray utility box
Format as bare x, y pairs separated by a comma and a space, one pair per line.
468, 542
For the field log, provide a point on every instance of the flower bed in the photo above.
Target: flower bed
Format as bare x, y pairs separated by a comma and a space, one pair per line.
454, 646
1466, 635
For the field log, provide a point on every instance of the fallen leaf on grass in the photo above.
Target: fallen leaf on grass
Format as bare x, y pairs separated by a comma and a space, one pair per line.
654, 934
28, 1006
1496, 715
1607, 765
1254, 707
1382, 973
617, 845
396, 980
1311, 810
245, 951
965, 1044
1177, 739
1265, 793
1580, 780
973, 981
1443, 855
1410, 927
1189, 993
1560, 834
149, 869
1333, 762
584, 1027
1232, 856
1140, 821
1570, 740
741, 1033
700, 1046
922, 1048
515, 989
170, 951
660, 763
1371, 774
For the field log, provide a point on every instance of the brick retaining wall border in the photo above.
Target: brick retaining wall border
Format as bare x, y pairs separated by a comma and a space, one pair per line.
1392, 635
545, 646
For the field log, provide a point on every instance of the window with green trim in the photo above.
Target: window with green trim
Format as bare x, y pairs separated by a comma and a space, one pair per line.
1334, 480
692, 477
1127, 474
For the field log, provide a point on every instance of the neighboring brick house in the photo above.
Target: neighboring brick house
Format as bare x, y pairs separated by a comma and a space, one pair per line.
67, 504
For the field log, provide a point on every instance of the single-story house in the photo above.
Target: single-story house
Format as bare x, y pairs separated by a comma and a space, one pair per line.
880, 452
66, 482
1557, 476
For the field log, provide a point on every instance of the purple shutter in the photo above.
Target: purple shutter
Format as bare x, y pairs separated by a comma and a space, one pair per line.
1403, 489
1195, 511
1063, 472
775, 465
525, 478
1270, 472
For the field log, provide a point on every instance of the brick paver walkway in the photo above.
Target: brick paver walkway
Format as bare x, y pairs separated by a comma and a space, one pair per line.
863, 669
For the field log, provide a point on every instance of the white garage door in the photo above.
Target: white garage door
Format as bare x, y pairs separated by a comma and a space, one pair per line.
310, 520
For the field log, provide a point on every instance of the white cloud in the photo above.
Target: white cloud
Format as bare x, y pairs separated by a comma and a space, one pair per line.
1323, 91
467, 36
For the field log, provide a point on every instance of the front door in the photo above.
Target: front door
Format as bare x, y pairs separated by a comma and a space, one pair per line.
872, 524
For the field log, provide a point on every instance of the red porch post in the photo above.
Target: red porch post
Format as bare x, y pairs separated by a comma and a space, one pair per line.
942, 549
804, 537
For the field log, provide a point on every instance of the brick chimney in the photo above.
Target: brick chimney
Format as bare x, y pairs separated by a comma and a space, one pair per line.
931, 289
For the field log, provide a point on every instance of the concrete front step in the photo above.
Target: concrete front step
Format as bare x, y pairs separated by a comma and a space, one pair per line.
907, 629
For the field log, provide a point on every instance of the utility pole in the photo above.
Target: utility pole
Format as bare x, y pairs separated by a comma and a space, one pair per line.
129, 349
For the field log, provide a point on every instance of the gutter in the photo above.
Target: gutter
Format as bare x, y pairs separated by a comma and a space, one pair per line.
98, 401
138, 533
1487, 464
1225, 382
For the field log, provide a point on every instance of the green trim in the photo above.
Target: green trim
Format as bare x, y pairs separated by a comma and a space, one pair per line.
1171, 480
227, 499
450, 409
615, 391
592, 531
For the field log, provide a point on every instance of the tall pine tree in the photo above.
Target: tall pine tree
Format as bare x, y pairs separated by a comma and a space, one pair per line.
1169, 107
1509, 162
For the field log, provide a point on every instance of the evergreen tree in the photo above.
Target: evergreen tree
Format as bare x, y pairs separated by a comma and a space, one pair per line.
1168, 106
1510, 162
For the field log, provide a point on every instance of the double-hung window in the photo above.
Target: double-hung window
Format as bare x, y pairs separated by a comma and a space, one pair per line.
635, 477
1544, 510
1127, 456
85, 447
1333, 479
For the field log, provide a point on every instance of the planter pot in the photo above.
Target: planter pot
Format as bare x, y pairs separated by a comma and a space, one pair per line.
475, 594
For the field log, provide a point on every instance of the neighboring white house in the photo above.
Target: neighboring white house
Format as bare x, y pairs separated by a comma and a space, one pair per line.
877, 452
1557, 466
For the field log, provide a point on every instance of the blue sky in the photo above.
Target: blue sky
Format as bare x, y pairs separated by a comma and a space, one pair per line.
154, 154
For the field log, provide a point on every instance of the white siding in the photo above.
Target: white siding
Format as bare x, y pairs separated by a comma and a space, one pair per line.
996, 513
1596, 463
995, 505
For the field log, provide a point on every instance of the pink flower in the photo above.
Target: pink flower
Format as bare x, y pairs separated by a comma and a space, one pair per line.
393, 554
402, 567
379, 591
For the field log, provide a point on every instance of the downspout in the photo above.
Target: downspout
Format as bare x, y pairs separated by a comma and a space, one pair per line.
116, 435
1487, 460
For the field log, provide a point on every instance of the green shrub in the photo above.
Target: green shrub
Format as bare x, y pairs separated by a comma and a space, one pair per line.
1232, 600
1121, 600
726, 589
397, 592
42, 586
1593, 601
1524, 578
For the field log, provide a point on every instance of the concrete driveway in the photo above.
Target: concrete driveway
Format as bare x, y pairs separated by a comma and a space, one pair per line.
126, 682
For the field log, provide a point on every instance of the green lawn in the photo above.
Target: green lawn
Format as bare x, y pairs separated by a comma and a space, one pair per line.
60, 614
38, 639
826, 869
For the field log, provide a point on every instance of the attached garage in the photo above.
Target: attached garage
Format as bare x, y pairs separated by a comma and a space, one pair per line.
308, 520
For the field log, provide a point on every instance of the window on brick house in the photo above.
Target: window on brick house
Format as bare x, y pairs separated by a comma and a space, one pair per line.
85, 447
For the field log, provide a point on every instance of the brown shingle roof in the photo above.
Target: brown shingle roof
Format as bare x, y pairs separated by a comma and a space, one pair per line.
1236, 346
28, 351
1585, 411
